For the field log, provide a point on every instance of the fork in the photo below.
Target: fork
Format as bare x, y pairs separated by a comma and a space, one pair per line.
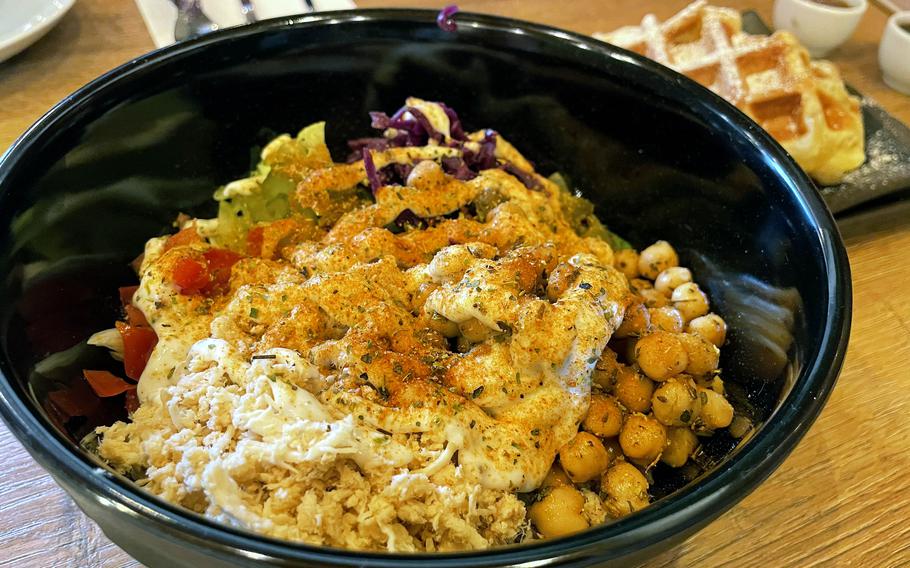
248, 11
191, 20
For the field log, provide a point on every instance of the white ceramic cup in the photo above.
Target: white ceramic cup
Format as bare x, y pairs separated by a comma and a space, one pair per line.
818, 26
894, 52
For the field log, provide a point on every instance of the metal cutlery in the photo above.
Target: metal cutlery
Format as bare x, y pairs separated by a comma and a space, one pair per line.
248, 11
191, 20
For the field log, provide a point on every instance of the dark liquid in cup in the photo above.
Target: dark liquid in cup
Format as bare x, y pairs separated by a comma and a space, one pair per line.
833, 3
905, 27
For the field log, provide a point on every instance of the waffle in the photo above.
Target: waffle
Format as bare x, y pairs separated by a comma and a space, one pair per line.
803, 104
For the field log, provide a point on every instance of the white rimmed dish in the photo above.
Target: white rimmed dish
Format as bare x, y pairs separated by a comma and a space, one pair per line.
24, 23
820, 27
893, 52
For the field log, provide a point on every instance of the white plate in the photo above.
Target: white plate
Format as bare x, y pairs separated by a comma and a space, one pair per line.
23, 22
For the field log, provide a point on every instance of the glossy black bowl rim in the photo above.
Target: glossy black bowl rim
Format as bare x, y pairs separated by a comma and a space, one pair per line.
716, 492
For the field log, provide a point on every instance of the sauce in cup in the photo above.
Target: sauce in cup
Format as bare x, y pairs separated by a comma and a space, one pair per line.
833, 3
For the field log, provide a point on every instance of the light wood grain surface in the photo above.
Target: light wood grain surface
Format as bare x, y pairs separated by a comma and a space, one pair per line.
841, 499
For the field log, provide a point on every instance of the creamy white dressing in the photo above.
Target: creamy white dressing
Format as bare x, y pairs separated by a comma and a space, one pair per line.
500, 456
435, 114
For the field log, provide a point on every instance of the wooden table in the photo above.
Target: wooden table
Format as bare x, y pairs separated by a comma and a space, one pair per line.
842, 498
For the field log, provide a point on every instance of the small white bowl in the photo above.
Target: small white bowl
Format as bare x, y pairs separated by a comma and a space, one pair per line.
818, 26
24, 23
894, 53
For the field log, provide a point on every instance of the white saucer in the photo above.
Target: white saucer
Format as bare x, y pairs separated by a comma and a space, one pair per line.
23, 22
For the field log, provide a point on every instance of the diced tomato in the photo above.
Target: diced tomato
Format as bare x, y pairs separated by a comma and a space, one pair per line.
183, 237
135, 317
106, 384
77, 400
138, 343
220, 262
126, 294
208, 274
132, 401
254, 241
191, 276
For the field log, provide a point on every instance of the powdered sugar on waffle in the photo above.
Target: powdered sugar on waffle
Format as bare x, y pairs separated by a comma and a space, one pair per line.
803, 104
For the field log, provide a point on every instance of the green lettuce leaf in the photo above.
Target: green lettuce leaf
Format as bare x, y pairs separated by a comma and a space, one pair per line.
265, 195
580, 214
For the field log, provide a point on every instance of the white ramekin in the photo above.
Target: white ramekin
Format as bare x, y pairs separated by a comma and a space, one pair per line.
894, 53
819, 27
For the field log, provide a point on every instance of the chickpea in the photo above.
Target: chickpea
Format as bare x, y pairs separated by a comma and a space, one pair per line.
626, 489
614, 450
624, 348
606, 370
604, 417
703, 355
560, 280
583, 458
440, 324
462, 345
626, 261
528, 272
558, 513
675, 403
657, 258
600, 250
739, 426
716, 384
653, 299
474, 331
635, 322
661, 355
556, 478
639, 284
642, 437
431, 338
450, 264
681, 443
690, 301
633, 390
671, 278
711, 326
716, 411
667, 319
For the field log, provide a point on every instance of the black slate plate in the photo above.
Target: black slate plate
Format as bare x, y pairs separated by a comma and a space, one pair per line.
885, 176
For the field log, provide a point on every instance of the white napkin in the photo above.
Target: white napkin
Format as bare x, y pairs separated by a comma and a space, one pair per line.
161, 15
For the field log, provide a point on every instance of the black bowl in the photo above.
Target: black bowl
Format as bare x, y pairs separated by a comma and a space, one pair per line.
661, 157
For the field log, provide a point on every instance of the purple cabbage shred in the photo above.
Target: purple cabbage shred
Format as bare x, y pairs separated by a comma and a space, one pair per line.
457, 168
408, 218
456, 131
395, 174
370, 168
410, 127
524, 177
485, 158
360, 144
446, 18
